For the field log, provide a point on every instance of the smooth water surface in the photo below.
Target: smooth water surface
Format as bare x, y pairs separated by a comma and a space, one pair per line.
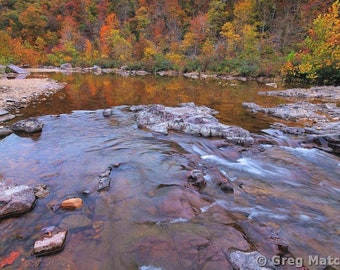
148, 217
91, 92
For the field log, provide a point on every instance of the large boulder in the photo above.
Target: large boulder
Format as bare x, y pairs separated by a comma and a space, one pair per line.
16, 200
190, 119
30, 125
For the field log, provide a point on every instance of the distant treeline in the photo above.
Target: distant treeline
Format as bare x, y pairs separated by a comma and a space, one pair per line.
297, 39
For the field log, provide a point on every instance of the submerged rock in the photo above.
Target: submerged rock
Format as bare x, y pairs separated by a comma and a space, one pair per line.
30, 125
196, 179
190, 119
16, 200
41, 191
226, 187
72, 204
104, 183
104, 179
50, 245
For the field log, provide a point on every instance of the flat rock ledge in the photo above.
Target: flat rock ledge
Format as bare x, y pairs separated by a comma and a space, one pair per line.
321, 123
189, 119
16, 200
300, 111
329, 93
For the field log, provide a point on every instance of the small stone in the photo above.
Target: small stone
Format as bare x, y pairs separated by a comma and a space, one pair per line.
50, 245
104, 183
86, 192
106, 173
72, 204
196, 179
226, 187
4, 132
107, 112
41, 191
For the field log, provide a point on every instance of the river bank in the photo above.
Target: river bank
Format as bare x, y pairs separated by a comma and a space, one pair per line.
17, 93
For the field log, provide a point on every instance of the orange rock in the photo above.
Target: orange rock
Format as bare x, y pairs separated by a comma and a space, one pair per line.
72, 204
9, 259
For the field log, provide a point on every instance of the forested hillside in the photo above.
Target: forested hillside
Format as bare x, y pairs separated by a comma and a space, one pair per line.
249, 37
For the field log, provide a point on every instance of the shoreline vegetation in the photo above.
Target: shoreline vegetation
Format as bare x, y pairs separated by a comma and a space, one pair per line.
295, 40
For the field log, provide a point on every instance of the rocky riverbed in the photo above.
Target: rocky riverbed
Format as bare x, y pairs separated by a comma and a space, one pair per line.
317, 123
172, 187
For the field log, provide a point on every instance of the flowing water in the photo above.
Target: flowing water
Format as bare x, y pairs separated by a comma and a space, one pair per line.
148, 218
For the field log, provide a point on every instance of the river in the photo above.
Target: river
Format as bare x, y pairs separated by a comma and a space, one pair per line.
149, 219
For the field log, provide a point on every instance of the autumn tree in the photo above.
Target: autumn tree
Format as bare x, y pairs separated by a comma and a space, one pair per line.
33, 22
113, 43
195, 37
319, 58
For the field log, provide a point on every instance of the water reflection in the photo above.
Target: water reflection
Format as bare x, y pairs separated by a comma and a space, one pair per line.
90, 92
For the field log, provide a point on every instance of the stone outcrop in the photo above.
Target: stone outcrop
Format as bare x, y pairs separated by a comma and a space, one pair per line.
189, 119
300, 111
15, 200
319, 92
320, 122
30, 125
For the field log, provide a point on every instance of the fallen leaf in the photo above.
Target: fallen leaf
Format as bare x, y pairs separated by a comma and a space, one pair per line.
10, 259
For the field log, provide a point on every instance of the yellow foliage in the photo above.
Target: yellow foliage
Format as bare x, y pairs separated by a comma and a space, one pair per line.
188, 40
175, 58
149, 53
242, 10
